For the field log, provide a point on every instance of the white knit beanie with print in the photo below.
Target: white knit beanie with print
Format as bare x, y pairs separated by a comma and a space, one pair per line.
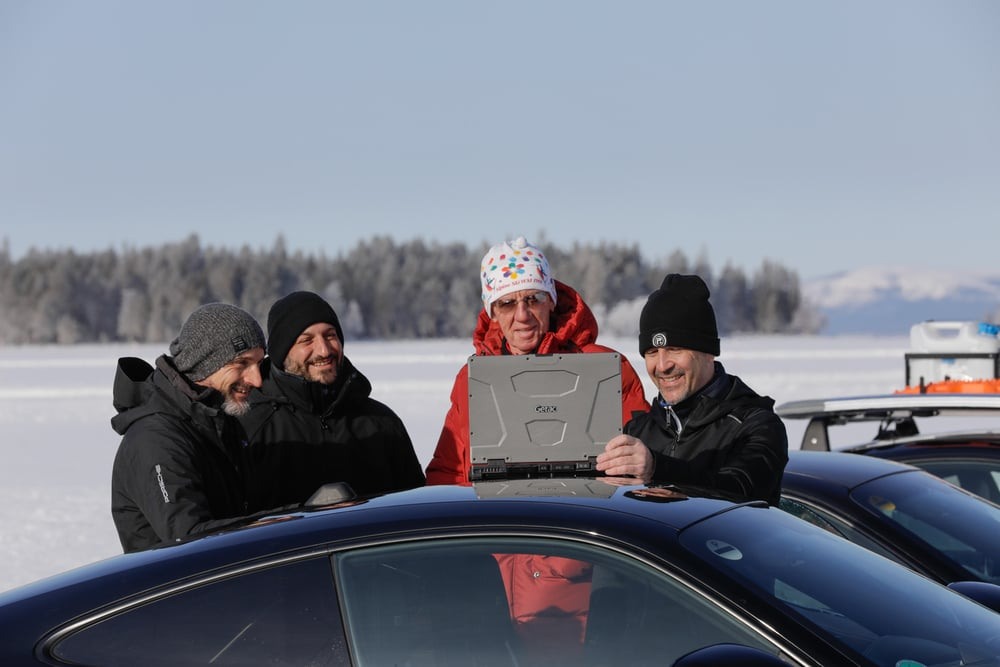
512, 267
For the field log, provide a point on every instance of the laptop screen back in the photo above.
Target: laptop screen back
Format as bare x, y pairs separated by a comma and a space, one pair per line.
533, 415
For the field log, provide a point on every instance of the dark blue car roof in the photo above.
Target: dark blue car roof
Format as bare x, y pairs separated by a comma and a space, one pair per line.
841, 468
423, 511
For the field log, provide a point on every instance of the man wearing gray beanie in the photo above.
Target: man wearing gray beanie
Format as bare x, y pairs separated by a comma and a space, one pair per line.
314, 420
180, 469
705, 427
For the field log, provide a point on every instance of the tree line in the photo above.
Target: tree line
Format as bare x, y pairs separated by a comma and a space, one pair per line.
381, 289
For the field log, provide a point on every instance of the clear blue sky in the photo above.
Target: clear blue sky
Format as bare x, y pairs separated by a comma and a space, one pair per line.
824, 135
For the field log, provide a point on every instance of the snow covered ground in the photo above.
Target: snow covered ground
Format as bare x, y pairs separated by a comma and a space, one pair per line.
57, 445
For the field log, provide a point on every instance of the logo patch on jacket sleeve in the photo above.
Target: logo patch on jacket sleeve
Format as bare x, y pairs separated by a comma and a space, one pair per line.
161, 483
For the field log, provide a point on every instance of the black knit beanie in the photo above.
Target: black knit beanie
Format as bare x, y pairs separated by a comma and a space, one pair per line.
211, 337
290, 316
679, 315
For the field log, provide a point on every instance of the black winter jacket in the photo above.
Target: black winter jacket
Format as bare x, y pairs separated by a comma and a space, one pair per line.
179, 469
304, 434
730, 440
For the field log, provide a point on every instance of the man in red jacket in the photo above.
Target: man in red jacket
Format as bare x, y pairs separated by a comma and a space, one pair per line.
526, 311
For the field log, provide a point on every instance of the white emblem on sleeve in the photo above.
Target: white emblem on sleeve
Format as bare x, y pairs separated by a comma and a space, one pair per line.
163, 487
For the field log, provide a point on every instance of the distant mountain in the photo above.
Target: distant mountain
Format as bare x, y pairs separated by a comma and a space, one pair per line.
889, 300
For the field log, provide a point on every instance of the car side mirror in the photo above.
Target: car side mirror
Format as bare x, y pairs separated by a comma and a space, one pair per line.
982, 592
731, 655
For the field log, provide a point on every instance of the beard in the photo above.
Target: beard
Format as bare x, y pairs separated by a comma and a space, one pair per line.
237, 401
309, 371
235, 408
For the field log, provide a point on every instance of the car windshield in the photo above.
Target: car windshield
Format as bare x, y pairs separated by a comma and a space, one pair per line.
885, 613
963, 528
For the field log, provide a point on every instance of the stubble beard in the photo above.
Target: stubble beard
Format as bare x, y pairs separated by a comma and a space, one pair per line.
306, 372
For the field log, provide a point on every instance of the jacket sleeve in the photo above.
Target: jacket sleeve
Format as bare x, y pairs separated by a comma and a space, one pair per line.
405, 466
450, 463
633, 395
165, 483
751, 466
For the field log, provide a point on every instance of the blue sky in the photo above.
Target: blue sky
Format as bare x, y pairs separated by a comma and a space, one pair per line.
824, 135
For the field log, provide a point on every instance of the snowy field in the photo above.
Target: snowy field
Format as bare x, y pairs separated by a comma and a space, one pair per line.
57, 445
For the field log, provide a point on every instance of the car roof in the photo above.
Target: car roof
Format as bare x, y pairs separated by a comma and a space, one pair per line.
841, 468
556, 506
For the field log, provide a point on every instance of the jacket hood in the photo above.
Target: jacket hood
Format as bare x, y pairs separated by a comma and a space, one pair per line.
572, 327
132, 386
140, 391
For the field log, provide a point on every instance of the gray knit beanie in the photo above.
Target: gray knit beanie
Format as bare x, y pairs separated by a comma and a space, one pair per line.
212, 336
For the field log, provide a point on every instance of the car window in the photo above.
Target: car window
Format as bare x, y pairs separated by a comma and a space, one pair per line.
833, 524
963, 528
282, 615
522, 601
976, 476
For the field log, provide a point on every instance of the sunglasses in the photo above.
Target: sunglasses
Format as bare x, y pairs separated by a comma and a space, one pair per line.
532, 301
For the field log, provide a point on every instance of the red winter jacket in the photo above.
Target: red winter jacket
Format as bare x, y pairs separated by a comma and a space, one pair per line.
573, 328
548, 596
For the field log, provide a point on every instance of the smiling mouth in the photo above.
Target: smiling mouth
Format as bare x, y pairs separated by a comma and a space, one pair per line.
240, 390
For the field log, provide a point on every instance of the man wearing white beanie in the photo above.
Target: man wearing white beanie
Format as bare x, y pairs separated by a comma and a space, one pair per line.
526, 311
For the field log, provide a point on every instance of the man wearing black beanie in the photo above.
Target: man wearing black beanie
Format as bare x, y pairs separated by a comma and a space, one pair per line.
705, 427
314, 420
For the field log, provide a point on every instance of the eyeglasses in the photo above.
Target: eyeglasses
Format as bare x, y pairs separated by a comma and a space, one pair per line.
532, 301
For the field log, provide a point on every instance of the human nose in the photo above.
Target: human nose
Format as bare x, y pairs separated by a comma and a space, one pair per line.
522, 311
664, 360
323, 347
253, 377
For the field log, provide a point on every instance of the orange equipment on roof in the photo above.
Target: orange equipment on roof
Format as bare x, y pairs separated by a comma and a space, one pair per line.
990, 386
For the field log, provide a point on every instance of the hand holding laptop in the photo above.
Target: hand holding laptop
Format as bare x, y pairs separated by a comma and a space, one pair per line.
626, 455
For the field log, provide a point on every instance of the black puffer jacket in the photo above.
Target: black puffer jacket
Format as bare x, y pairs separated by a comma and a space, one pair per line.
304, 434
179, 469
730, 440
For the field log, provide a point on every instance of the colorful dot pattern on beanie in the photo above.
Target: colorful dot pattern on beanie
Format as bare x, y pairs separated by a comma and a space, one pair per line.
511, 267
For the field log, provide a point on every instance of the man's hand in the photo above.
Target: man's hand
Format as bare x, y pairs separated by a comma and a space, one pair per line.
625, 455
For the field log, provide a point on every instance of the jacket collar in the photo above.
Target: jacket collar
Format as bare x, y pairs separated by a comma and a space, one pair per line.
315, 397
714, 391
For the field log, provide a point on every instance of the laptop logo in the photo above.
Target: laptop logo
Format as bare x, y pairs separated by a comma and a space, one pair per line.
659, 339
546, 409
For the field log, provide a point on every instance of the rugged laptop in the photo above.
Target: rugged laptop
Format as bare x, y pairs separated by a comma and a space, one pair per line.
542, 415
